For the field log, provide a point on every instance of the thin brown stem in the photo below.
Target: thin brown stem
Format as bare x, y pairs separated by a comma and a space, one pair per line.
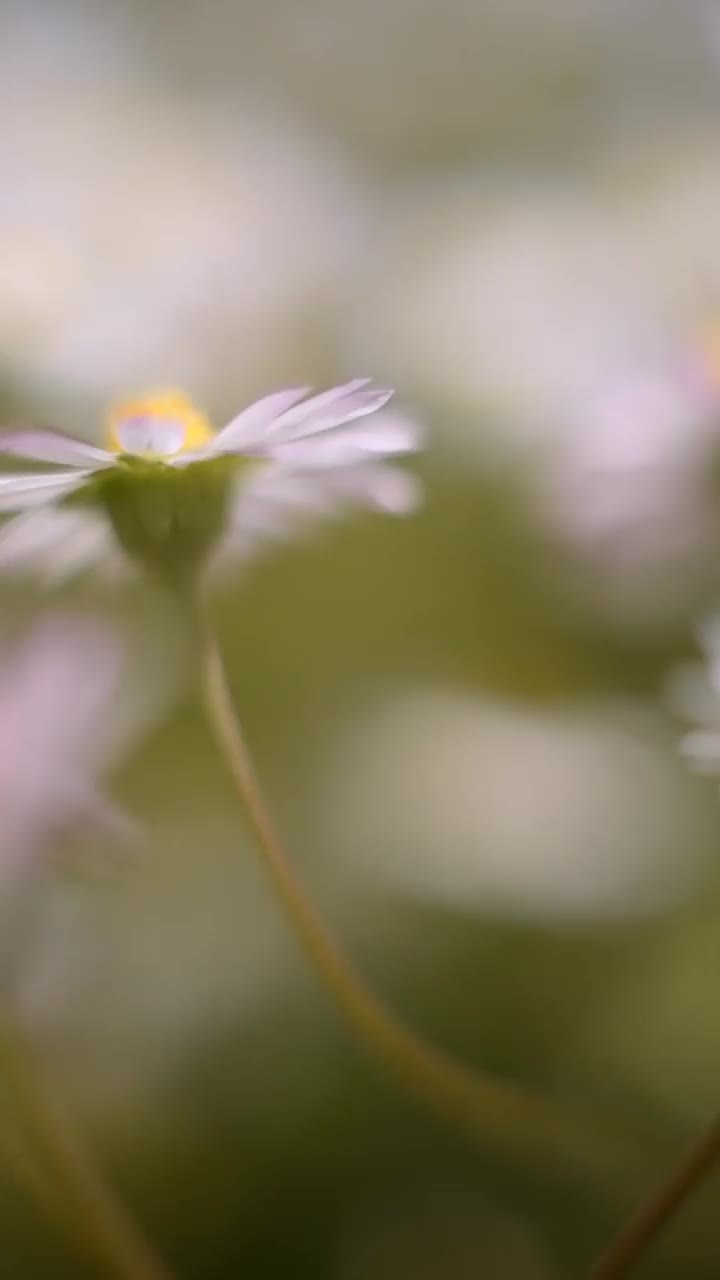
501, 1114
27, 1171
70, 1184
642, 1231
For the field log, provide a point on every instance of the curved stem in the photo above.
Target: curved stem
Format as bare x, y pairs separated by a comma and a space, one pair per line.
500, 1113
641, 1232
70, 1184
23, 1163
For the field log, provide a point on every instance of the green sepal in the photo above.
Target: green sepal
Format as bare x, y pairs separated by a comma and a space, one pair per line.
168, 519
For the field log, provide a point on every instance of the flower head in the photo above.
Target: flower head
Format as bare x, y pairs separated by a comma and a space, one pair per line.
173, 491
632, 488
56, 687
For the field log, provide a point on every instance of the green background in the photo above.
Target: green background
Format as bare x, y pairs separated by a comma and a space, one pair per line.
460, 718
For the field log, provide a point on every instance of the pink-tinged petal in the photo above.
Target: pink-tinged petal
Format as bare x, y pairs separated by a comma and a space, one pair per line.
381, 488
47, 446
61, 680
57, 689
249, 427
277, 503
322, 400
27, 537
329, 491
260, 521
386, 433
20, 492
331, 409
149, 435
272, 504
84, 541
255, 524
56, 542
385, 436
67, 710
34, 480
188, 456
90, 545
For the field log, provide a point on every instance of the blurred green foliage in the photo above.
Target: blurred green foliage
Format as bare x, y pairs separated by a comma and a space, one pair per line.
245, 1126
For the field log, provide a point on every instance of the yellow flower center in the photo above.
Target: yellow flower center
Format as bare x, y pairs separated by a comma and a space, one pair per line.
171, 407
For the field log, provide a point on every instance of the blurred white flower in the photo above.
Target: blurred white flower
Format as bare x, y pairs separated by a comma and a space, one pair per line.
633, 490
693, 692
507, 299
202, 231
565, 813
57, 689
500, 303
174, 491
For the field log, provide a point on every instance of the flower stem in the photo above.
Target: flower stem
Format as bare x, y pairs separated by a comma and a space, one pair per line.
23, 1163
70, 1185
641, 1232
501, 1114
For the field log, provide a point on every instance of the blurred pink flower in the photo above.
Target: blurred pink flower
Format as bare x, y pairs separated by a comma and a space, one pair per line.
289, 459
57, 686
633, 488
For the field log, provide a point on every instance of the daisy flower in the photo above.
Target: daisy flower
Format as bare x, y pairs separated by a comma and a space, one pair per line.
57, 686
172, 493
631, 488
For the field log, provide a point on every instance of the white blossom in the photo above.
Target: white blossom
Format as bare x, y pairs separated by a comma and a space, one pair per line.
290, 458
57, 686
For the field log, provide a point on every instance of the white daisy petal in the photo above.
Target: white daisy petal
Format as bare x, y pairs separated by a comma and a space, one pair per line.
47, 446
377, 487
260, 520
276, 486
57, 542
255, 522
372, 485
159, 437
188, 456
64, 674
277, 503
319, 414
87, 543
19, 492
331, 491
386, 435
62, 687
292, 416
25, 538
249, 426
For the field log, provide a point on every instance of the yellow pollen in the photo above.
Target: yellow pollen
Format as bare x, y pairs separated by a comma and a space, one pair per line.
163, 406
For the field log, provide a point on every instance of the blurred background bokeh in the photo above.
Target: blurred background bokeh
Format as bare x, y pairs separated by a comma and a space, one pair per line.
510, 212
